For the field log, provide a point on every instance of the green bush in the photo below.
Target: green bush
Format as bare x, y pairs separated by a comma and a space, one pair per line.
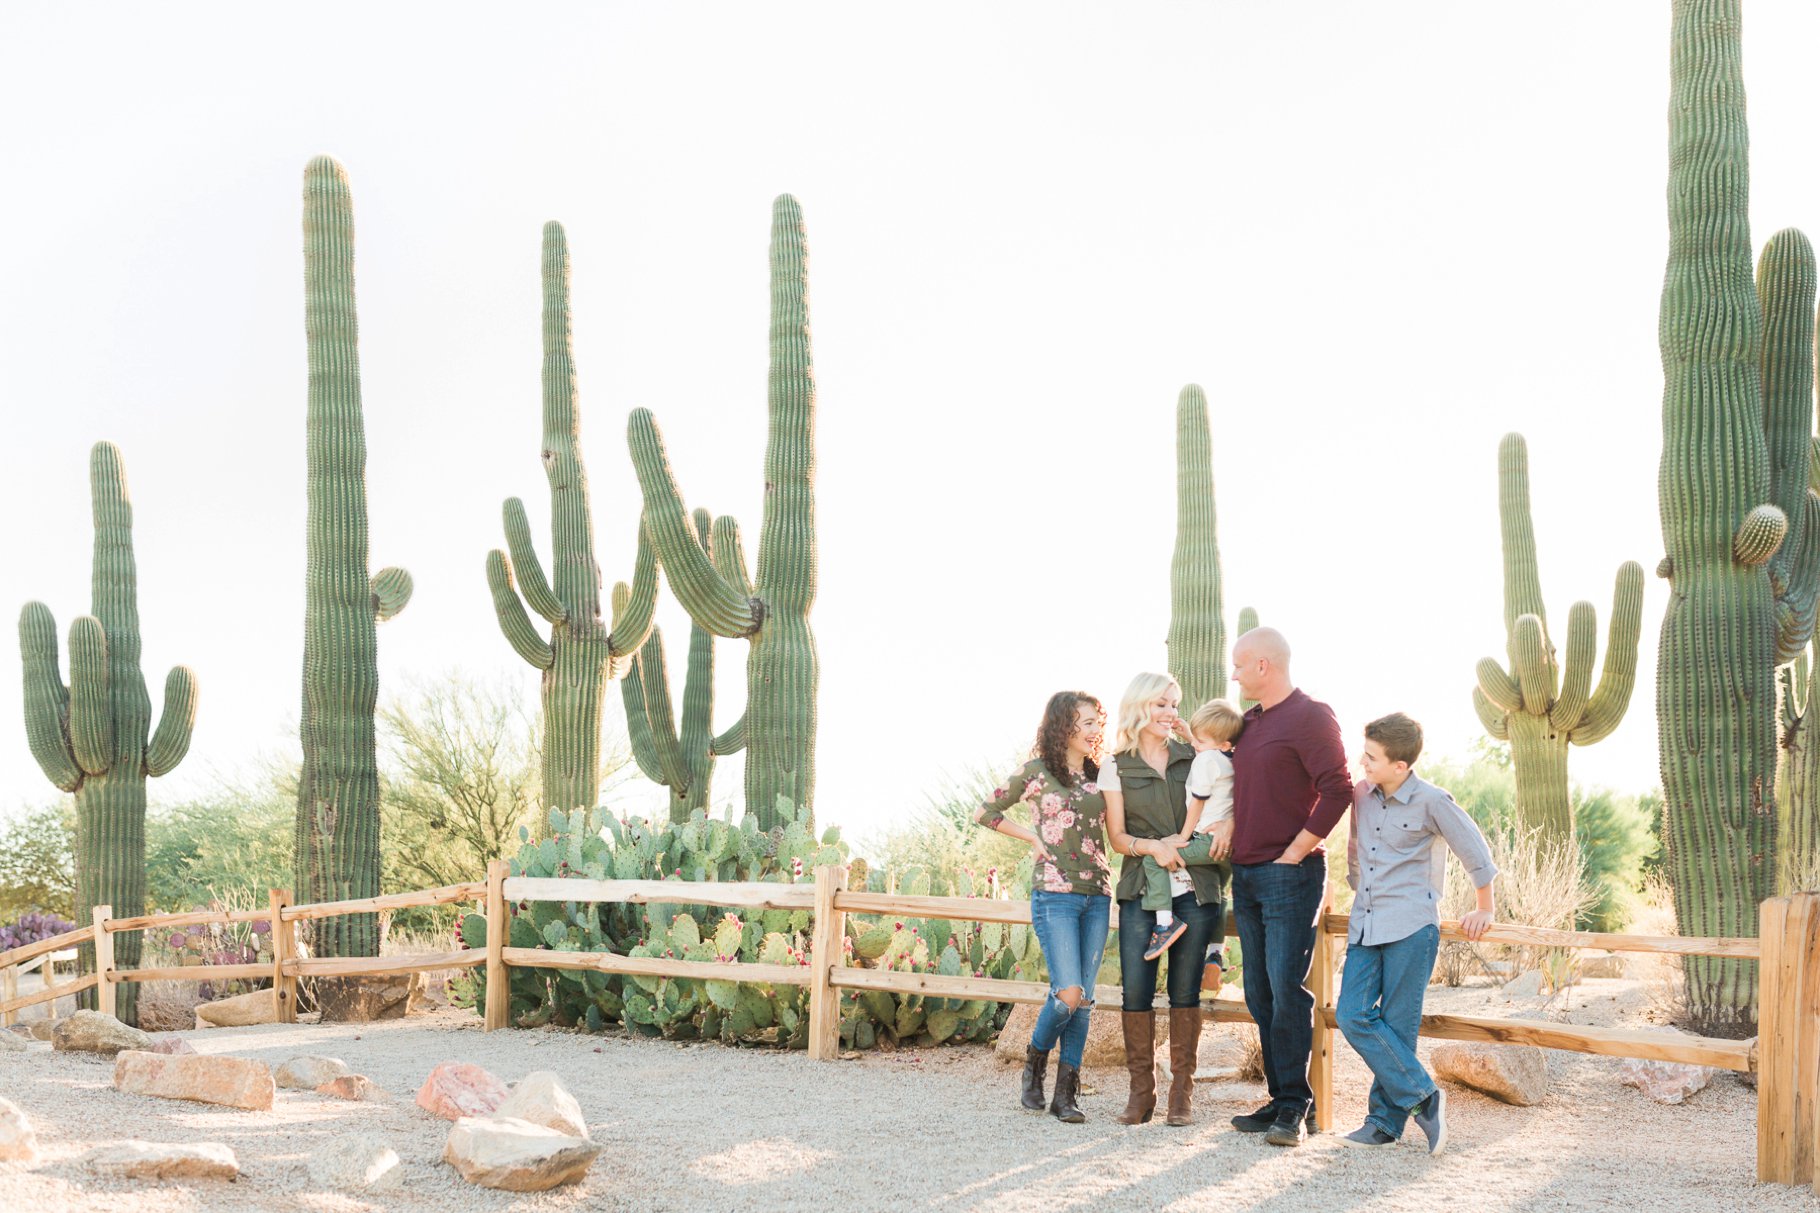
37, 861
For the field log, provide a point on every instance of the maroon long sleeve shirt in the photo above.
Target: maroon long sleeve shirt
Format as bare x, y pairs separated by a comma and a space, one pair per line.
1288, 775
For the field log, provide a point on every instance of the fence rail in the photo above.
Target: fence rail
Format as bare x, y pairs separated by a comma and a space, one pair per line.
1787, 1061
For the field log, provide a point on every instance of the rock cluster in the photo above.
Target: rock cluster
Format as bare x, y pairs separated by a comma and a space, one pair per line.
532, 1139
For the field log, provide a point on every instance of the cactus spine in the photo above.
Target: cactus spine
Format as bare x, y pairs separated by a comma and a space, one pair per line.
1737, 414
681, 761
582, 653
1197, 628
91, 737
781, 669
337, 834
1536, 704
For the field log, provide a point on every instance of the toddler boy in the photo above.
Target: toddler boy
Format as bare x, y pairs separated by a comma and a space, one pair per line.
1395, 927
1214, 726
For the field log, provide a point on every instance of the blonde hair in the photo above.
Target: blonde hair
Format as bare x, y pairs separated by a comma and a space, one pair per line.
1217, 720
1134, 709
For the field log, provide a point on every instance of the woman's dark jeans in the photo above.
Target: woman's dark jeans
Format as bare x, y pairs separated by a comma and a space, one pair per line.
1205, 924
1275, 905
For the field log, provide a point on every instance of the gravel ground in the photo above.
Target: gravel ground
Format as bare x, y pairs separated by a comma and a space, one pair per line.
702, 1127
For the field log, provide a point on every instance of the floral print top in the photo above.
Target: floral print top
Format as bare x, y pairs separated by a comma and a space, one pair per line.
1070, 821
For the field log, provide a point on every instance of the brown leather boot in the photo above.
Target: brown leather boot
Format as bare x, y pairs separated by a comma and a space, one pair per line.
1184, 1053
1140, 1061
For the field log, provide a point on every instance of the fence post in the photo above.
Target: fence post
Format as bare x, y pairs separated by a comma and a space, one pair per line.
1320, 984
825, 954
1788, 1039
498, 984
107, 998
284, 950
9, 990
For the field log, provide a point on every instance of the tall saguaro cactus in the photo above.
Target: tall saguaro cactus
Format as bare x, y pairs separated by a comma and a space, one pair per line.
1539, 705
1197, 626
337, 835
681, 761
93, 737
1737, 518
583, 652
781, 669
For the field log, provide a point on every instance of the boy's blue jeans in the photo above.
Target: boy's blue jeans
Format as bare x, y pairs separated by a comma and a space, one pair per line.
1275, 905
1072, 929
1380, 1009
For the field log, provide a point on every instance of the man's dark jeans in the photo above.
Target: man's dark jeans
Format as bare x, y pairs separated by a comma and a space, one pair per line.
1275, 906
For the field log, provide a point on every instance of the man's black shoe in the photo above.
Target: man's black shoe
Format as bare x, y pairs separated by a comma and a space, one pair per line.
1287, 1131
1261, 1120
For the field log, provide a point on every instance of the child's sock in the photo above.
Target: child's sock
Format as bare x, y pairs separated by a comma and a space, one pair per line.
1165, 918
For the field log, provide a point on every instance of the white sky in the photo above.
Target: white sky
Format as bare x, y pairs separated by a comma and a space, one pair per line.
1380, 237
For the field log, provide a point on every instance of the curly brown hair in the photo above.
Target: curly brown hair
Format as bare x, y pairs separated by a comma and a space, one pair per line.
1059, 721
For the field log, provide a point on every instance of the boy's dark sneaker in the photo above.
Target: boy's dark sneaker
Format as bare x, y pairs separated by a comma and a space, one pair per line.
1287, 1131
1432, 1120
1368, 1135
1162, 937
1261, 1120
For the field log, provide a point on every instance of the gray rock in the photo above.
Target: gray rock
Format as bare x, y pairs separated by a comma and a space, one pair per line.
353, 1165
1528, 985
542, 1099
1668, 1082
18, 1142
1515, 1074
308, 1072
516, 1155
149, 1160
11, 1042
94, 1032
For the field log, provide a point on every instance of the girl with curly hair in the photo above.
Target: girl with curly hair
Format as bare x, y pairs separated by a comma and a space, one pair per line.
1071, 885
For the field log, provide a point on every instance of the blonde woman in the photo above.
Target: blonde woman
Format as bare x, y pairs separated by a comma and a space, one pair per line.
1145, 782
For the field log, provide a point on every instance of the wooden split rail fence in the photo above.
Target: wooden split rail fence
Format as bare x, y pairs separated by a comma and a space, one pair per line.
1787, 1062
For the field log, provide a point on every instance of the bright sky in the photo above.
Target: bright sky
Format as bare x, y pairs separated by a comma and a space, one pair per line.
1380, 238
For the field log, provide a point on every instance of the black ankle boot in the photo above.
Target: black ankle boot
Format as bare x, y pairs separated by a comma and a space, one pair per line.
1036, 1063
1067, 1086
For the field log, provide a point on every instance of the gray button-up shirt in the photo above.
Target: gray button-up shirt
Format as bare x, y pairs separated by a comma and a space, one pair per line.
1396, 871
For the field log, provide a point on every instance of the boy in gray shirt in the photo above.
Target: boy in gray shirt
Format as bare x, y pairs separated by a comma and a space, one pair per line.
1397, 873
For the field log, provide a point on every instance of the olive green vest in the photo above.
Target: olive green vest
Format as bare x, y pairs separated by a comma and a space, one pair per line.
1156, 806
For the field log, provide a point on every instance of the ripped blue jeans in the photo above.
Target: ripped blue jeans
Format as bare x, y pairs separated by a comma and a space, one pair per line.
1072, 929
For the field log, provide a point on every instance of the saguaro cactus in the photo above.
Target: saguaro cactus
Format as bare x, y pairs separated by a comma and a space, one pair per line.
681, 761
91, 737
1538, 705
781, 669
337, 835
1197, 623
1737, 518
582, 651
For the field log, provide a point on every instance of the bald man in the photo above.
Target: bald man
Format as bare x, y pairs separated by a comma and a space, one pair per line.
1290, 788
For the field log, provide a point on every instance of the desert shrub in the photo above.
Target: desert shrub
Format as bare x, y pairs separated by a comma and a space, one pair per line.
1539, 884
31, 927
37, 861
233, 845
1615, 843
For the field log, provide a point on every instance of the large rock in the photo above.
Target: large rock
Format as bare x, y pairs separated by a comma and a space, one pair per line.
148, 1160
456, 1089
1527, 985
1516, 1074
308, 1072
1601, 964
177, 1045
93, 1032
516, 1155
357, 1087
1664, 1081
1105, 1036
364, 999
354, 1165
11, 1042
234, 1082
18, 1143
240, 1011
542, 1099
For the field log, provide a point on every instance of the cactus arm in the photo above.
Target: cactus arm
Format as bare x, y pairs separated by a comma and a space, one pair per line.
1795, 609
732, 741
575, 571
1576, 667
1498, 687
1760, 536
1522, 578
698, 686
638, 725
176, 725
391, 588
728, 553
531, 580
91, 707
1786, 287
660, 716
1619, 676
1248, 619
47, 700
633, 613
513, 620
1534, 663
1491, 715
703, 592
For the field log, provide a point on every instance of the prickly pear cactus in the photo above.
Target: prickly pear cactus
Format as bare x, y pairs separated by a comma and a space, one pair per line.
94, 736
1541, 706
